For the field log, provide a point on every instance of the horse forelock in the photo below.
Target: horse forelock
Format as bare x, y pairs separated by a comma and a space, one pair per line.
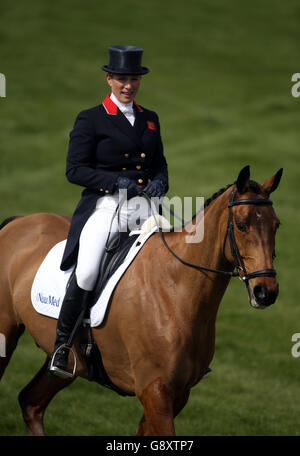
254, 186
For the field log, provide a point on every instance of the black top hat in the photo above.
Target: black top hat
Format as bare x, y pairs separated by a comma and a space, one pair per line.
125, 60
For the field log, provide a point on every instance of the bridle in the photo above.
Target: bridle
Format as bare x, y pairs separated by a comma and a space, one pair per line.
237, 258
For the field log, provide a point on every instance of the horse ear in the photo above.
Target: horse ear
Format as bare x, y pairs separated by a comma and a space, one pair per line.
271, 184
243, 179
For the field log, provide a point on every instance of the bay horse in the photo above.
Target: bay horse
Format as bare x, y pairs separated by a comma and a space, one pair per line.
157, 340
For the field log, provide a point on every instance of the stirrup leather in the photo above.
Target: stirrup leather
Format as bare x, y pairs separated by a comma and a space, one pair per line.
59, 372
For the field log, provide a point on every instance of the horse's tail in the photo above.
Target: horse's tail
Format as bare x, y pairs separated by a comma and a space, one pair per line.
8, 220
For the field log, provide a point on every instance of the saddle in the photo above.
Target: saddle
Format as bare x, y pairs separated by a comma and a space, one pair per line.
114, 255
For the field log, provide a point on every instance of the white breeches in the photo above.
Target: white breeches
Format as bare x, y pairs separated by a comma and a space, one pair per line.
95, 232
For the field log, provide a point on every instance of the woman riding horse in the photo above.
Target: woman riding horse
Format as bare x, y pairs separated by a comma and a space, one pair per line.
158, 337
114, 146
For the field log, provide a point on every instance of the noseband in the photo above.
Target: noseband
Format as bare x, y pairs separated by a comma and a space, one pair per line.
237, 258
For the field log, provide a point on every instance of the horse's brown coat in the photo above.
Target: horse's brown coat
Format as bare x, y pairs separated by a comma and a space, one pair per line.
158, 337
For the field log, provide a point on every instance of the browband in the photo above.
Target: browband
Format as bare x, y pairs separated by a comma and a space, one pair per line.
250, 201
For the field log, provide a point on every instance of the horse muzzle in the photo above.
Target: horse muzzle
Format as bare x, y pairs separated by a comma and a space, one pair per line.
262, 296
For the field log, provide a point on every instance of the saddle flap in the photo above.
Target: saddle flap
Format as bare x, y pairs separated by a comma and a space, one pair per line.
113, 257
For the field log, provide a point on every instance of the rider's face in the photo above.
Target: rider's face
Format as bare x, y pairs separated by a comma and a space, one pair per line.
124, 86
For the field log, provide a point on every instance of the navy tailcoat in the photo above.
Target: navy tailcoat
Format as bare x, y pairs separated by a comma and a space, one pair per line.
104, 145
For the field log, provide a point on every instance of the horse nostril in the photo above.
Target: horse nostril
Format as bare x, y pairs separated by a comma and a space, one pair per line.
264, 296
260, 293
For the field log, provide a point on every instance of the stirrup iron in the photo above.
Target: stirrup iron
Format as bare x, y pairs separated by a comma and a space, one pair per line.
61, 372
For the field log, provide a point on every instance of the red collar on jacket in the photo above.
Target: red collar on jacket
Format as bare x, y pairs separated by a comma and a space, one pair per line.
112, 108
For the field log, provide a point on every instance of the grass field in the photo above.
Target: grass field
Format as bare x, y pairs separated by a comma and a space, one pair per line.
221, 82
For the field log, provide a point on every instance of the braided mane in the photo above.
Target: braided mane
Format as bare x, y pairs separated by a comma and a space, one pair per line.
216, 194
253, 186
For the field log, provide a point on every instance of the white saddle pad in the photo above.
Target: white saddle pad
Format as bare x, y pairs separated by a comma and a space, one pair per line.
49, 285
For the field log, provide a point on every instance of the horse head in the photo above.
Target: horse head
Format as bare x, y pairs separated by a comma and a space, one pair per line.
252, 227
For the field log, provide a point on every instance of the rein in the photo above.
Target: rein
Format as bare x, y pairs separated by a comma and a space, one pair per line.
237, 258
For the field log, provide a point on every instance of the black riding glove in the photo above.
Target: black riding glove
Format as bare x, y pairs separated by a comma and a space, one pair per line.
132, 188
155, 188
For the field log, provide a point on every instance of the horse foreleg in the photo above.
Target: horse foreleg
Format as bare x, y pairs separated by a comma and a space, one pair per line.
179, 404
157, 400
36, 396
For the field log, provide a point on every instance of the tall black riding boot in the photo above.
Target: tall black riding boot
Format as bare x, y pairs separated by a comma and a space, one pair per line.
73, 308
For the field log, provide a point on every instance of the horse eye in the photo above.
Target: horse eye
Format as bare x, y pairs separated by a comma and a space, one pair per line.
241, 226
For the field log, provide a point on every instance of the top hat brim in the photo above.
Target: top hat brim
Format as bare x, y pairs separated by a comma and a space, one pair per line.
142, 70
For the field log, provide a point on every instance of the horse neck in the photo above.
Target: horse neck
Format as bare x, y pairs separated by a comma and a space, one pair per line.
215, 217
207, 288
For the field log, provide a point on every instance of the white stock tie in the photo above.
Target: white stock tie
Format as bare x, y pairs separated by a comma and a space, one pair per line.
129, 114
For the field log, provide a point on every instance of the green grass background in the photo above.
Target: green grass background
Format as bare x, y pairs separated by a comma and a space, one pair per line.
221, 82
